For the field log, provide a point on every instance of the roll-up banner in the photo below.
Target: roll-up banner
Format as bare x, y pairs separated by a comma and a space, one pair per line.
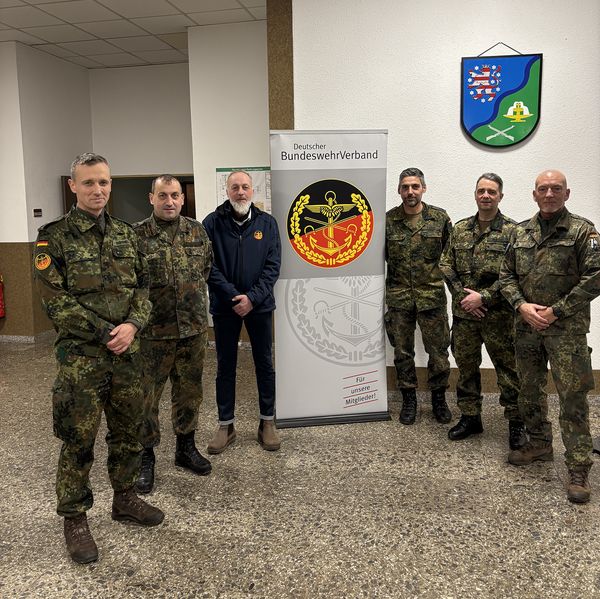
328, 196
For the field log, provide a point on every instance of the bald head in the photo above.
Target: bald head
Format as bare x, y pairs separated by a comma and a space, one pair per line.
551, 192
555, 174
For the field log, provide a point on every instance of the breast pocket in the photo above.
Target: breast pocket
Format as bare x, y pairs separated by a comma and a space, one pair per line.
463, 256
494, 253
524, 255
195, 256
431, 244
396, 245
83, 269
157, 269
124, 255
561, 257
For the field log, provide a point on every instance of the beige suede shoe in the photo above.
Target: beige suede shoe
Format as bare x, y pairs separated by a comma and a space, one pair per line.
268, 437
223, 437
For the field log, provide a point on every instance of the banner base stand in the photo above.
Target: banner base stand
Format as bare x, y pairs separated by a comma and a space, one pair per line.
337, 419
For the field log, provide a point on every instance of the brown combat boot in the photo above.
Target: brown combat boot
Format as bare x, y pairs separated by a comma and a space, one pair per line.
80, 543
127, 506
224, 436
268, 437
531, 453
579, 486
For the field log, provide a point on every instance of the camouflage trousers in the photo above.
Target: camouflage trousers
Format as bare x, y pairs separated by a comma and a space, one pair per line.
570, 362
181, 360
400, 326
85, 387
496, 332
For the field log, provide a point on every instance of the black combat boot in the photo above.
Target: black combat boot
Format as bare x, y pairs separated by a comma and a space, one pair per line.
145, 481
516, 434
408, 413
439, 407
465, 427
187, 456
80, 543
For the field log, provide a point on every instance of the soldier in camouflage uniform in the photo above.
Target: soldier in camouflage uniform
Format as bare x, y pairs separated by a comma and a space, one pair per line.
415, 235
174, 341
550, 275
471, 266
93, 285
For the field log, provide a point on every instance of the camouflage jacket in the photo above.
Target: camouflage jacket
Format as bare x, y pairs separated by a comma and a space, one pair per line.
561, 270
178, 272
413, 274
473, 259
90, 281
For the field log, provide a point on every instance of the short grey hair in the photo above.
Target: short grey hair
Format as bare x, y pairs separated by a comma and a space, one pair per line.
235, 173
491, 177
412, 172
87, 159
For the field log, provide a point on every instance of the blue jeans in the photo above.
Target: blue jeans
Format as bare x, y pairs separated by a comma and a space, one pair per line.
227, 330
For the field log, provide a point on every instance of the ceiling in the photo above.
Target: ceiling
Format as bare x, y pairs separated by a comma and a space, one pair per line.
98, 34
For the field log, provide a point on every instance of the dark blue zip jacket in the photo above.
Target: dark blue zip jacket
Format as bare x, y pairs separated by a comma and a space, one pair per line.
246, 259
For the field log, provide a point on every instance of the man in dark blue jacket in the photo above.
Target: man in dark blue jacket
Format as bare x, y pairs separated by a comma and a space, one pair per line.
247, 257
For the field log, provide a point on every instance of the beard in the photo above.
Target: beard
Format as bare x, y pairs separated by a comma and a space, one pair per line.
412, 201
240, 207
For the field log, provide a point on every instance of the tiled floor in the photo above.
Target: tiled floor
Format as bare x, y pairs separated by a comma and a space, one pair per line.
369, 510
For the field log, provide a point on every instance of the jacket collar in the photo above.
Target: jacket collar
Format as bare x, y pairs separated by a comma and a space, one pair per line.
425, 213
155, 229
564, 222
495, 225
83, 220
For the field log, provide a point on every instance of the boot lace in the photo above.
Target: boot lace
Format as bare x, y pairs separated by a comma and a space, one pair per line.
578, 478
409, 401
79, 529
147, 460
515, 430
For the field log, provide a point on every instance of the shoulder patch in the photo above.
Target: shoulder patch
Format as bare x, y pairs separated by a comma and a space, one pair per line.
42, 261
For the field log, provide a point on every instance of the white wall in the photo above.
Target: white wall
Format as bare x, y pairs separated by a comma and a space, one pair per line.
229, 102
13, 224
141, 119
55, 120
396, 65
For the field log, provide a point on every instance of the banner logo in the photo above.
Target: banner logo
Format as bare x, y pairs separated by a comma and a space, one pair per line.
339, 320
500, 98
330, 223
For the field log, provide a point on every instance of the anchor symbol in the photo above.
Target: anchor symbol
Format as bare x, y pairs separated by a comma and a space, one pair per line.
332, 211
359, 332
